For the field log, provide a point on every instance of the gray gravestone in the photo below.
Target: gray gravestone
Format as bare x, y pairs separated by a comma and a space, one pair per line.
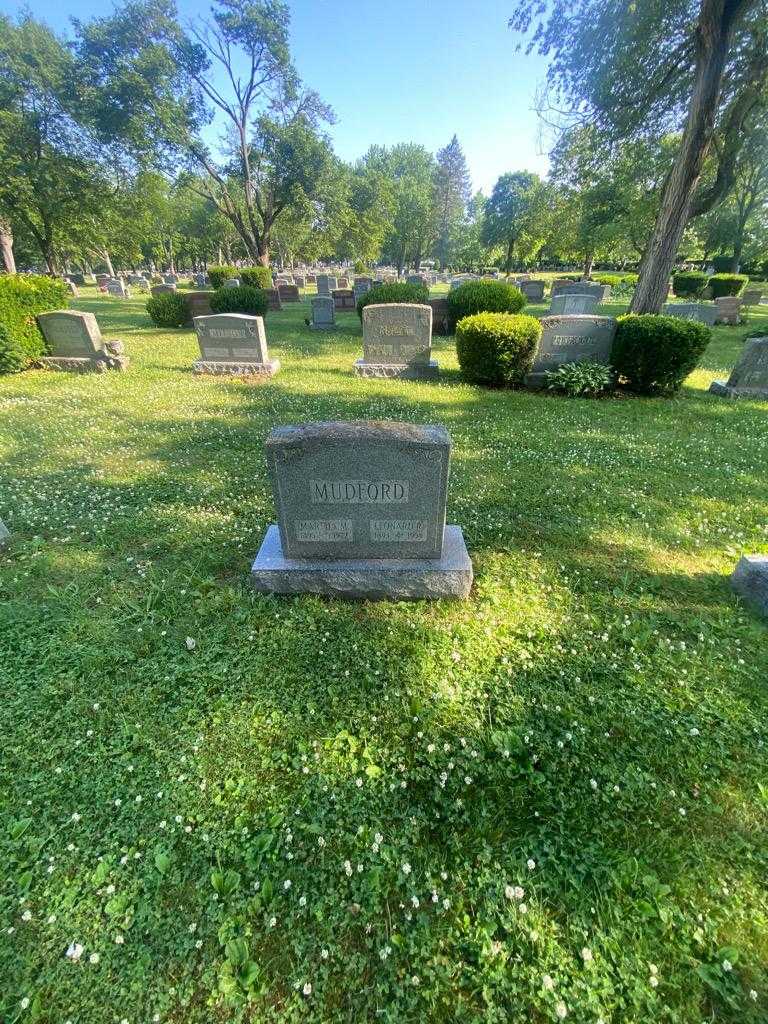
361, 288
201, 280
728, 310
323, 313
532, 290
163, 289
76, 344
703, 312
750, 581
325, 284
116, 286
361, 513
567, 304
78, 279
289, 293
344, 298
571, 339
235, 344
397, 342
232, 282
749, 378
750, 297
5, 534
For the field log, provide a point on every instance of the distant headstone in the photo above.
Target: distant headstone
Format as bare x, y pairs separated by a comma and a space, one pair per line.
78, 280
232, 282
361, 513
5, 534
703, 312
728, 310
289, 293
532, 290
440, 317
116, 286
138, 281
566, 304
752, 297
72, 288
416, 279
397, 342
749, 378
571, 339
198, 304
170, 278
361, 288
343, 282
76, 344
750, 581
343, 298
163, 289
600, 291
201, 280
233, 344
326, 284
323, 313
273, 297
299, 281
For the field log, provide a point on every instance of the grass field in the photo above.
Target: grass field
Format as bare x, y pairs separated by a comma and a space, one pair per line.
548, 801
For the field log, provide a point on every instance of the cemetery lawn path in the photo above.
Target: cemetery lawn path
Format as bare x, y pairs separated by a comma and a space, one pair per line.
551, 799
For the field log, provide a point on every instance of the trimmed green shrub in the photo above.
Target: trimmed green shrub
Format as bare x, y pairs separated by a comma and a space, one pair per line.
722, 264
616, 280
218, 275
397, 291
255, 277
168, 310
252, 301
483, 297
654, 354
22, 297
497, 348
580, 380
689, 283
727, 284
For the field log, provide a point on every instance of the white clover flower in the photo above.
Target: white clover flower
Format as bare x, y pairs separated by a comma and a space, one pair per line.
324, 954
653, 981
561, 1011
307, 990
406, 868
27, 915
74, 951
547, 983
530, 864
727, 966
25, 1002
320, 841
94, 958
287, 884
586, 955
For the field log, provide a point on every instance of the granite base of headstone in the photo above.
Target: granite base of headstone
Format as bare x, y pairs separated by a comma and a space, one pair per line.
750, 581
233, 345
76, 345
397, 342
361, 514
749, 378
571, 339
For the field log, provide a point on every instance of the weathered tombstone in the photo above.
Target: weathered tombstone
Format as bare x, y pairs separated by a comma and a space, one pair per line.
532, 290
749, 378
440, 317
78, 280
361, 287
397, 342
343, 282
170, 278
163, 289
198, 304
116, 286
323, 313
566, 304
701, 311
750, 581
201, 280
289, 293
324, 284
232, 282
299, 281
343, 298
273, 297
417, 279
728, 310
76, 343
752, 297
571, 339
234, 344
5, 534
72, 288
361, 513
580, 288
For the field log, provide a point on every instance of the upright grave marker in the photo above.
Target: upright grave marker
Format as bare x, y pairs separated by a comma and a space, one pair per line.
76, 343
361, 513
198, 304
728, 310
749, 378
343, 298
566, 304
233, 344
532, 290
5, 534
571, 339
702, 311
323, 313
116, 286
289, 293
750, 581
397, 342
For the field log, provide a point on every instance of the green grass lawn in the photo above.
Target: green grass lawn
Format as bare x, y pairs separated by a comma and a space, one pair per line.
551, 799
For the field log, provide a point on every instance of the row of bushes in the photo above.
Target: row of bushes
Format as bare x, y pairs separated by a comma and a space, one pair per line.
171, 309
693, 283
652, 355
253, 277
471, 297
22, 297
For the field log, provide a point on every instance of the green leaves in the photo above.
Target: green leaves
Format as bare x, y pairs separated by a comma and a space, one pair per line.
225, 883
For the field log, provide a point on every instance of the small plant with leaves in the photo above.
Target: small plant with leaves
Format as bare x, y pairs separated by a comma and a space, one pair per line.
580, 380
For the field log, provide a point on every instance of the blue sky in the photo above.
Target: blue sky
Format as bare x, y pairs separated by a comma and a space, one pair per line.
405, 71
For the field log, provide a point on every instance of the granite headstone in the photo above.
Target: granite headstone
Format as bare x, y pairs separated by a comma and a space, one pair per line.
323, 313
76, 344
749, 378
234, 344
397, 342
571, 339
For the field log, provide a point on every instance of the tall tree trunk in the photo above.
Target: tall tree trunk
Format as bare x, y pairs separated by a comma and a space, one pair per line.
713, 36
589, 259
510, 250
6, 247
108, 263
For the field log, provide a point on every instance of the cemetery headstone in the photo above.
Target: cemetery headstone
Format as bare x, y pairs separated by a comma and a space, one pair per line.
749, 378
326, 284
116, 286
163, 289
232, 282
750, 581
233, 344
198, 304
565, 303
361, 513
289, 293
397, 342
361, 287
343, 282
323, 313
5, 534
440, 317
72, 288
273, 296
201, 280
728, 310
532, 290
703, 312
170, 278
76, 344
78, 280
300, 281
752, 297
579, 288
571, 339
344, 298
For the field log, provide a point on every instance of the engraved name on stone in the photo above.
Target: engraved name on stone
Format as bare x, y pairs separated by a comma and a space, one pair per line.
328, 530
399, 531
358, 492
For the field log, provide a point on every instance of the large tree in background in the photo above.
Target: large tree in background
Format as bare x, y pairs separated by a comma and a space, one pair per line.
648, 69
411, 169
157, 85
514, 215
452, 195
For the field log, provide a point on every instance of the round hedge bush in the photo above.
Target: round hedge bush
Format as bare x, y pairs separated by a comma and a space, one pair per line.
12, 356
243, 299
168, 310
654, 354
689, 283
497, 348
397, 291
218, 275
483, 297
727, 284
22, 297
254, 277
